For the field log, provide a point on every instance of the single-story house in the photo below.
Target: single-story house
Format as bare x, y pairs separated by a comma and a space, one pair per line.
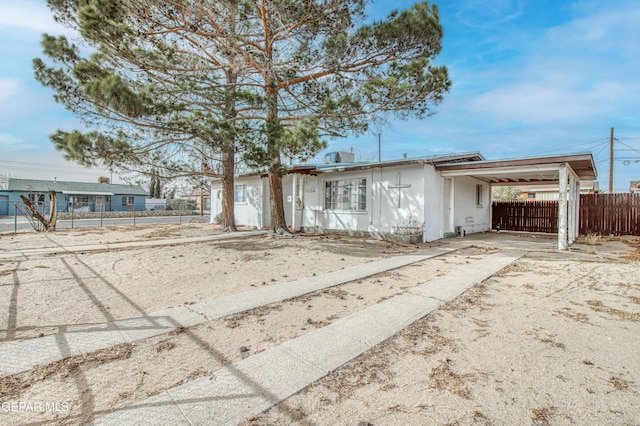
441, 196
550, 192
79, 196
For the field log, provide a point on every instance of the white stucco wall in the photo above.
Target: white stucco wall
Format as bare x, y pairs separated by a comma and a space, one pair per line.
382, 213
216, 199
249, 213
435, 205
425, 200
472, 217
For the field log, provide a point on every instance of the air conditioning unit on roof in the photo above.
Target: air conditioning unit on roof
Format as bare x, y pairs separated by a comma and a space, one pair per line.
339, 157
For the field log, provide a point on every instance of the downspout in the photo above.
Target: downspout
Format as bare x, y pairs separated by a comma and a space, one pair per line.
303, 187
293, 202
372, 198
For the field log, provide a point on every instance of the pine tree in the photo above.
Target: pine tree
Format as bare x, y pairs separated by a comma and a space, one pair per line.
161, 88
321, 72
221, 78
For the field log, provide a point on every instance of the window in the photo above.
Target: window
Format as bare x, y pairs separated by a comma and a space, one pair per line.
531, 195
80, 200
36, 199
347, 194
478, 195
240, 194
127, 201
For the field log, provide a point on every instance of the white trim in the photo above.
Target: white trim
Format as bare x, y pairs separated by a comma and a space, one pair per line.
91, 193
501, 170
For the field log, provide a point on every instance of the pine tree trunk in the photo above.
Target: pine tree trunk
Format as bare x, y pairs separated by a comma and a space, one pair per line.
228, 154
228, 204
276, 203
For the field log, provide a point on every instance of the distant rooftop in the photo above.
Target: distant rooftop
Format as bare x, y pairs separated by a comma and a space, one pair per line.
33, 185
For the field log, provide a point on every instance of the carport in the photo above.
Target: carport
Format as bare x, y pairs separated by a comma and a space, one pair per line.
565, 170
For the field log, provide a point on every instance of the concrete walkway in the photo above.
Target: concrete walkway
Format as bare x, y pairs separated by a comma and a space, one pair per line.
255, 384
25, 253
23, 355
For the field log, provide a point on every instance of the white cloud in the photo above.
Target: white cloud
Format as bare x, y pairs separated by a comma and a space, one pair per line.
540, 102
481, 14
9, 87
609, 30
29, 15
12, 143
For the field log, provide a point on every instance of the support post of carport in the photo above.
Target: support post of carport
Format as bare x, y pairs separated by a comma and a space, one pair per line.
572, 209
577, 210
562, 209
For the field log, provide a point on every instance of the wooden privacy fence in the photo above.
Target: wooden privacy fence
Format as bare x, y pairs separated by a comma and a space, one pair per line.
536, 216
606, 214
610, 214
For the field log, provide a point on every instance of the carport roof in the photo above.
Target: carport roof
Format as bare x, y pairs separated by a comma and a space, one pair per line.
529, 170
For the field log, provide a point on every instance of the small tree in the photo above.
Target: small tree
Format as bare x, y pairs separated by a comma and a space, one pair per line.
506, 193
155, 187
34, 215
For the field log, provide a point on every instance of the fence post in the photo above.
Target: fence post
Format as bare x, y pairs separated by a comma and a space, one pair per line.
101, 210
71, 206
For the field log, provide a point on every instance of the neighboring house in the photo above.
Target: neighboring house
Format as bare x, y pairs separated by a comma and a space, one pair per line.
79, 196
196, 196
448, 194
634, 187
551, 193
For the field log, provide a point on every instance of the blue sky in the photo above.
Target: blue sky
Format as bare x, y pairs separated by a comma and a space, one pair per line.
530, 77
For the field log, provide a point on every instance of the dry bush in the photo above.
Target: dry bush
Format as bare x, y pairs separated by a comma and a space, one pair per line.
371, 367
576, 316
619, 384
445, 379
593, 239
541, 415
598, 306
14, 385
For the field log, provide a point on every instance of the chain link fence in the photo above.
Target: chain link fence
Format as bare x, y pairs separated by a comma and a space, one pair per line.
14, 216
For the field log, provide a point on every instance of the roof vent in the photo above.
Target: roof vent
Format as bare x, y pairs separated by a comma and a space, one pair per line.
338, 157
103, 179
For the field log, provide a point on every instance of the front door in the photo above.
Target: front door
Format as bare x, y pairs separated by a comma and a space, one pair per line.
100, 202
447, 201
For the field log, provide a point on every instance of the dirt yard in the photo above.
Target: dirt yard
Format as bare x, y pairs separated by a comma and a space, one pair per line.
551, 339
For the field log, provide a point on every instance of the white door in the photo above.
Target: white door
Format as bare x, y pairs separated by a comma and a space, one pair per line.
447, 202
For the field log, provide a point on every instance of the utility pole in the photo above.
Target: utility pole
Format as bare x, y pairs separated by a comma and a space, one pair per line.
379, 148
611, 162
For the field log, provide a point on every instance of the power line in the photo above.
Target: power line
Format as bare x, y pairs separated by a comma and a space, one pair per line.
597, 142
604, 146
630, 147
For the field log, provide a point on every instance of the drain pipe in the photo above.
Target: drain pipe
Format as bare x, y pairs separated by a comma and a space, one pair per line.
293, 203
